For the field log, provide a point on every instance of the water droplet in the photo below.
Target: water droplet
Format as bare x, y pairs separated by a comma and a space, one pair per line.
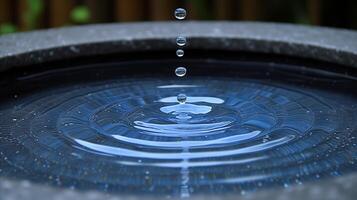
181, 98
180, 13
180, 71
180, 53
181, 41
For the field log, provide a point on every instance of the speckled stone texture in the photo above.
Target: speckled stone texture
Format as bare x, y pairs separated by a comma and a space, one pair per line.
337, 46
332, 45
335, 189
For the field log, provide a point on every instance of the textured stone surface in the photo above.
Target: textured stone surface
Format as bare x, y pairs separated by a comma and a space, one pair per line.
339, 46
24, 49
335, 189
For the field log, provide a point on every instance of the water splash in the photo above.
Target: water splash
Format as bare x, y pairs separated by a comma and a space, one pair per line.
181, 98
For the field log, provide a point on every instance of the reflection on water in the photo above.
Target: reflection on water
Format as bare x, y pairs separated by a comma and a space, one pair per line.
136, 137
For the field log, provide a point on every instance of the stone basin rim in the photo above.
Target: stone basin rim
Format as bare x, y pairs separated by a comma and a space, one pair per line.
323, 44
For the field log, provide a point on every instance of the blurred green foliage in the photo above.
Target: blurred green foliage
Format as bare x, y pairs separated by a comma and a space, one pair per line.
33, 13
7, 28
326, 12
81, 15
30, 18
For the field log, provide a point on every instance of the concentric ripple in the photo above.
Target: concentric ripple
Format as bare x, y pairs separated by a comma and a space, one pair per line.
134, 136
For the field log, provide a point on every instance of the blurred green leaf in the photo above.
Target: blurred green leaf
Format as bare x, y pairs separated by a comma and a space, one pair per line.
33, 13
81, 15
36, 6
7, 28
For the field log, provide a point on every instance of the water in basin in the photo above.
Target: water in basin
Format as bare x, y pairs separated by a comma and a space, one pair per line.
137, 135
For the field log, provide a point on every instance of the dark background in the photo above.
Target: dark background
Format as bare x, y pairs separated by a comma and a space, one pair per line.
24, 15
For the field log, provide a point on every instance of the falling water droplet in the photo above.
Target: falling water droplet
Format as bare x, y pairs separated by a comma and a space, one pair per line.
180, 71
180, 13
180, 53
181, 98
181, 41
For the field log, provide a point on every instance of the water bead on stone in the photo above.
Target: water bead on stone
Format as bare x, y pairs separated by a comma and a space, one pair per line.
181, 41
180, 53
180, 71
180, 13
181, 98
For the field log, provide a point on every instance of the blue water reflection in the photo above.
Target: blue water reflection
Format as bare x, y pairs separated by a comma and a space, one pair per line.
134, 136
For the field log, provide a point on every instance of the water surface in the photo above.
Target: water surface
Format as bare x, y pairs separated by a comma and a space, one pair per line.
132, 135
